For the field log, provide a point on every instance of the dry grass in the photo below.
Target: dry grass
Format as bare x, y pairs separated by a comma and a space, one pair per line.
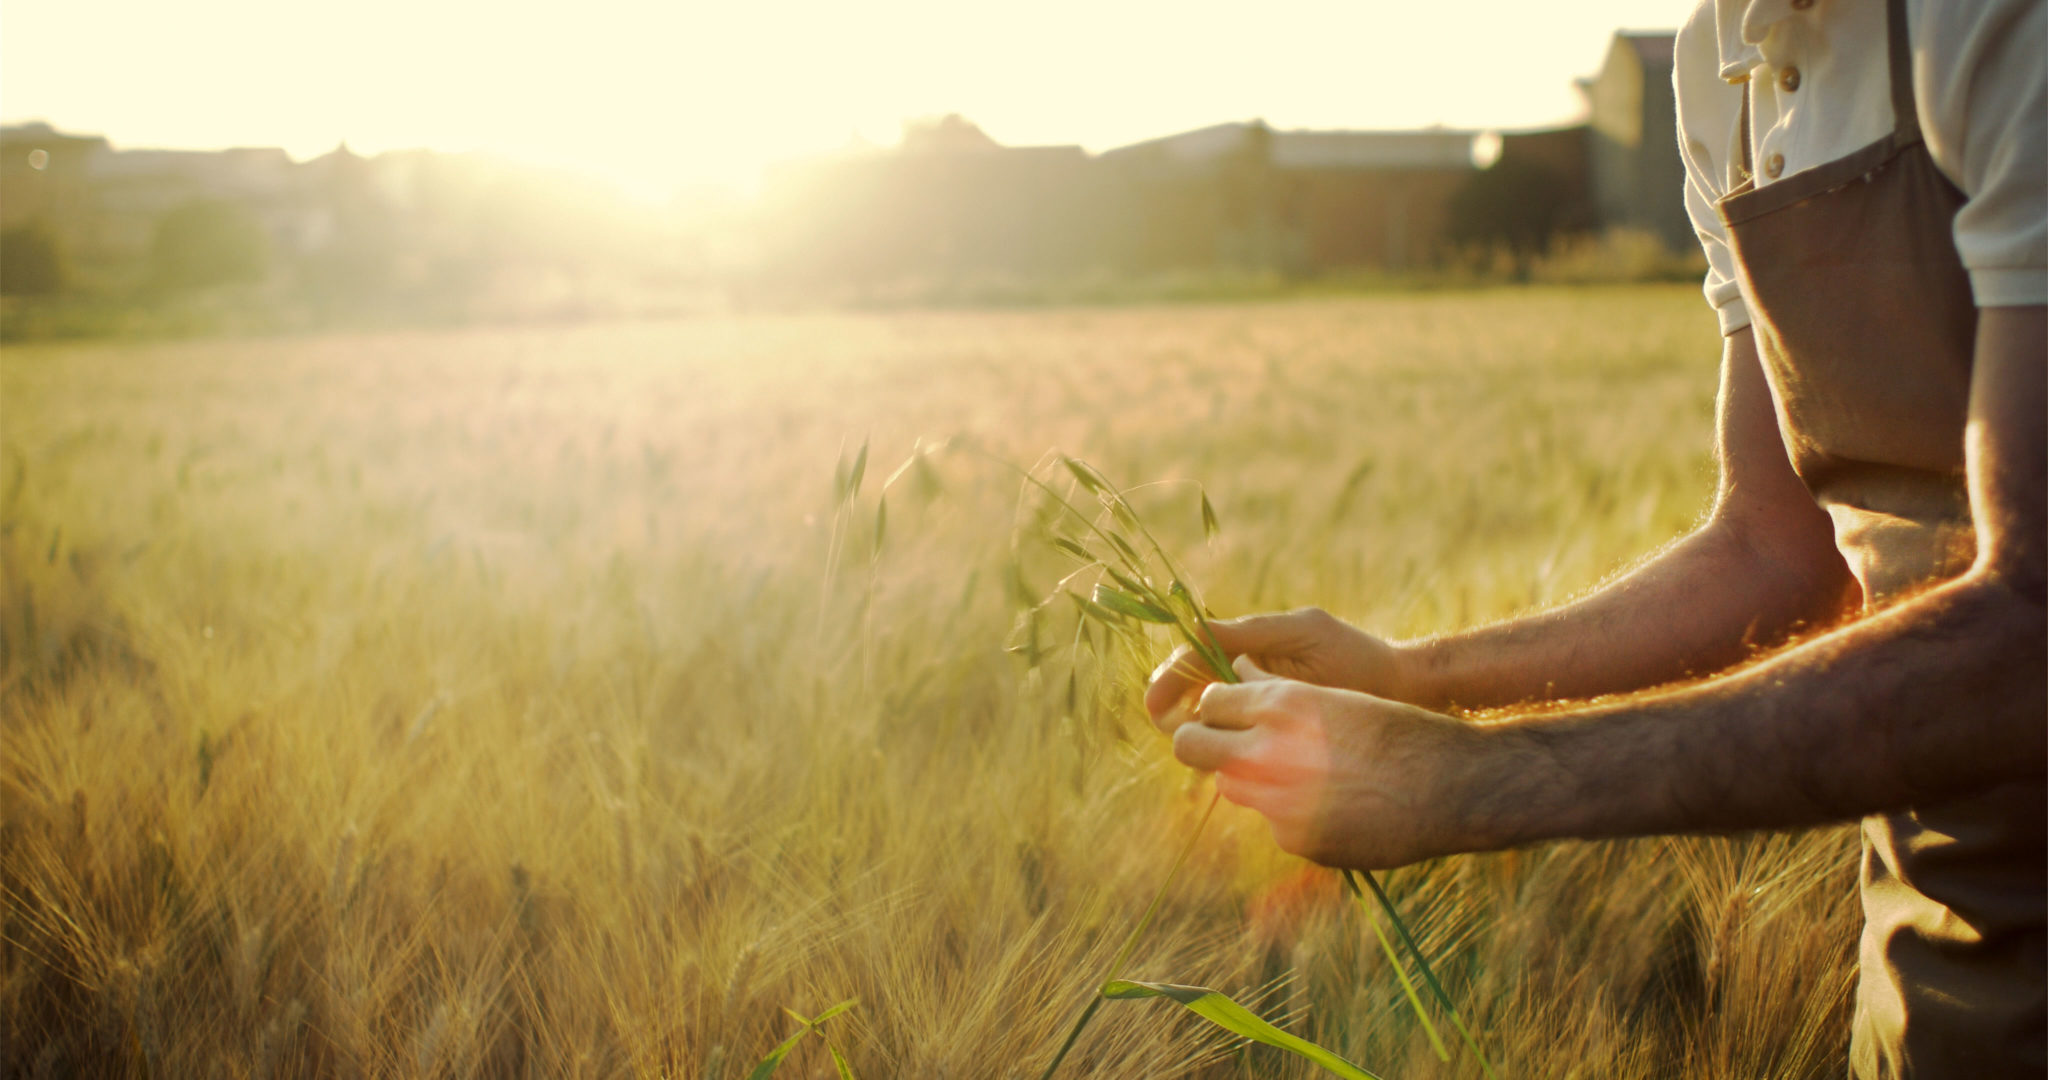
476, 703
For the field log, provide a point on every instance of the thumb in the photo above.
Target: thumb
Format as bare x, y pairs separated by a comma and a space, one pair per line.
1249, 671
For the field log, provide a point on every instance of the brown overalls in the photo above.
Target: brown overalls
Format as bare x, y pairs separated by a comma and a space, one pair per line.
1864, 319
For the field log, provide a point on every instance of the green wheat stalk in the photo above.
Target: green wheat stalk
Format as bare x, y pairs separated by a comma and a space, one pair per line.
1133, 594
1129, 599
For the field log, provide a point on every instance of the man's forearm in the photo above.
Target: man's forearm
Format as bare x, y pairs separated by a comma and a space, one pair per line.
1936, 697
1700, 606
1765, 565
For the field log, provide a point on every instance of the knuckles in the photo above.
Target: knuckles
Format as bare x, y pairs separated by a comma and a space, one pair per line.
1315, 618
1292, 703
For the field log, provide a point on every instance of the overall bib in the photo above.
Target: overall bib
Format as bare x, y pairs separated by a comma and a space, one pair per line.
1864, 320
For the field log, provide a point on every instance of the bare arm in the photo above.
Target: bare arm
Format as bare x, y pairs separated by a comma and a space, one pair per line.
1935, 697
1940, 695
1763, 565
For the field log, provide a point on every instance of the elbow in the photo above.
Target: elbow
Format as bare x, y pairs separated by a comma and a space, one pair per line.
2011, 599
1796, 560
2009, 608
2016, 577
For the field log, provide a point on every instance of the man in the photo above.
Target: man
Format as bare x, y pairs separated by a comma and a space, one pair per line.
1870, 185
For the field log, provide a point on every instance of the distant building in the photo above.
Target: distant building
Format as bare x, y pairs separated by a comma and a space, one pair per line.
1637, 177
949, 204
44, 174
949, 201
1244, 195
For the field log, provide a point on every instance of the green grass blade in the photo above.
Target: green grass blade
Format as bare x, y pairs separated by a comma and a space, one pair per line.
1421, 963
1436, 1041
1135, 587
1124, 603
839, 1062
768, 1064
835, 1011
1123, 547
1210, 526
860, 466
1073, 547
1093, 610
1086, 474
1073, 1034
1236, 1019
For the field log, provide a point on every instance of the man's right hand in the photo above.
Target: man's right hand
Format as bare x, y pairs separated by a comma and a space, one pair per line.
1309, 645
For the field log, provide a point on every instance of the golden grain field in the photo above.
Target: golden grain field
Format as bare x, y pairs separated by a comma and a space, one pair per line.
486, 702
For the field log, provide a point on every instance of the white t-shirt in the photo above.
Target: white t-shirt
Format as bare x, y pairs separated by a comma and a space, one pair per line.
1823, 91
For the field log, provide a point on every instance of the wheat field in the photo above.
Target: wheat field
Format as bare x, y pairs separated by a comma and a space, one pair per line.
524, 702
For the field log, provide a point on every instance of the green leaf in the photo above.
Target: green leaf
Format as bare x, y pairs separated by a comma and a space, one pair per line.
1124, 547
835, 1010
860, 465
1210, 526
1133, 586
1123, 513
1089, 478
1074, 548
1234, 1018
881, 523
768, 1064
1093, 610
839, 1062
1124, 603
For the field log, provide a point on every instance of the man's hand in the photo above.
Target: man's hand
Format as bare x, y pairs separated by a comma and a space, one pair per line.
1344, 778
1309, 645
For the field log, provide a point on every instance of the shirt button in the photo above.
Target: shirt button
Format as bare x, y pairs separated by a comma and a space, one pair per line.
1788, 79
1774, 165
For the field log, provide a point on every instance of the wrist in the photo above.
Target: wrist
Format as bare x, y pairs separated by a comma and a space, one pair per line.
1513, 787
1418, 674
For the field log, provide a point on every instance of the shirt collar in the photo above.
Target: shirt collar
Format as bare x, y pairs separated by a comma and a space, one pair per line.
1742, 26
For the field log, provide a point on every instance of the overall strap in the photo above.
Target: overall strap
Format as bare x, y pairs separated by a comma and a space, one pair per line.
1905, 117
1742, 132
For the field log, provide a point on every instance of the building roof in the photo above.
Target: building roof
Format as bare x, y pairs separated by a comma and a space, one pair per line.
39, 132
1436, 148
1652, 47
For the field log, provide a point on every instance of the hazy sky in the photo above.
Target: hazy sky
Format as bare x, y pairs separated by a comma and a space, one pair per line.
656, 94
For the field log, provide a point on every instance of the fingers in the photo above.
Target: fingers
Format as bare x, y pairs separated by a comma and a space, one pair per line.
1185, 672
1180, 677
1248, 670
1181, 712
1203, 747
1273, 632
1233, 706
1241, 791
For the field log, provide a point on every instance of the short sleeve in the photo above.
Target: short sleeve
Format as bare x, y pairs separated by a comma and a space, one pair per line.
1709, 118
1978, 72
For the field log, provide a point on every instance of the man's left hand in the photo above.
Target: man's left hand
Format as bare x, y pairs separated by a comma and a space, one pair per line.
1344, 778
